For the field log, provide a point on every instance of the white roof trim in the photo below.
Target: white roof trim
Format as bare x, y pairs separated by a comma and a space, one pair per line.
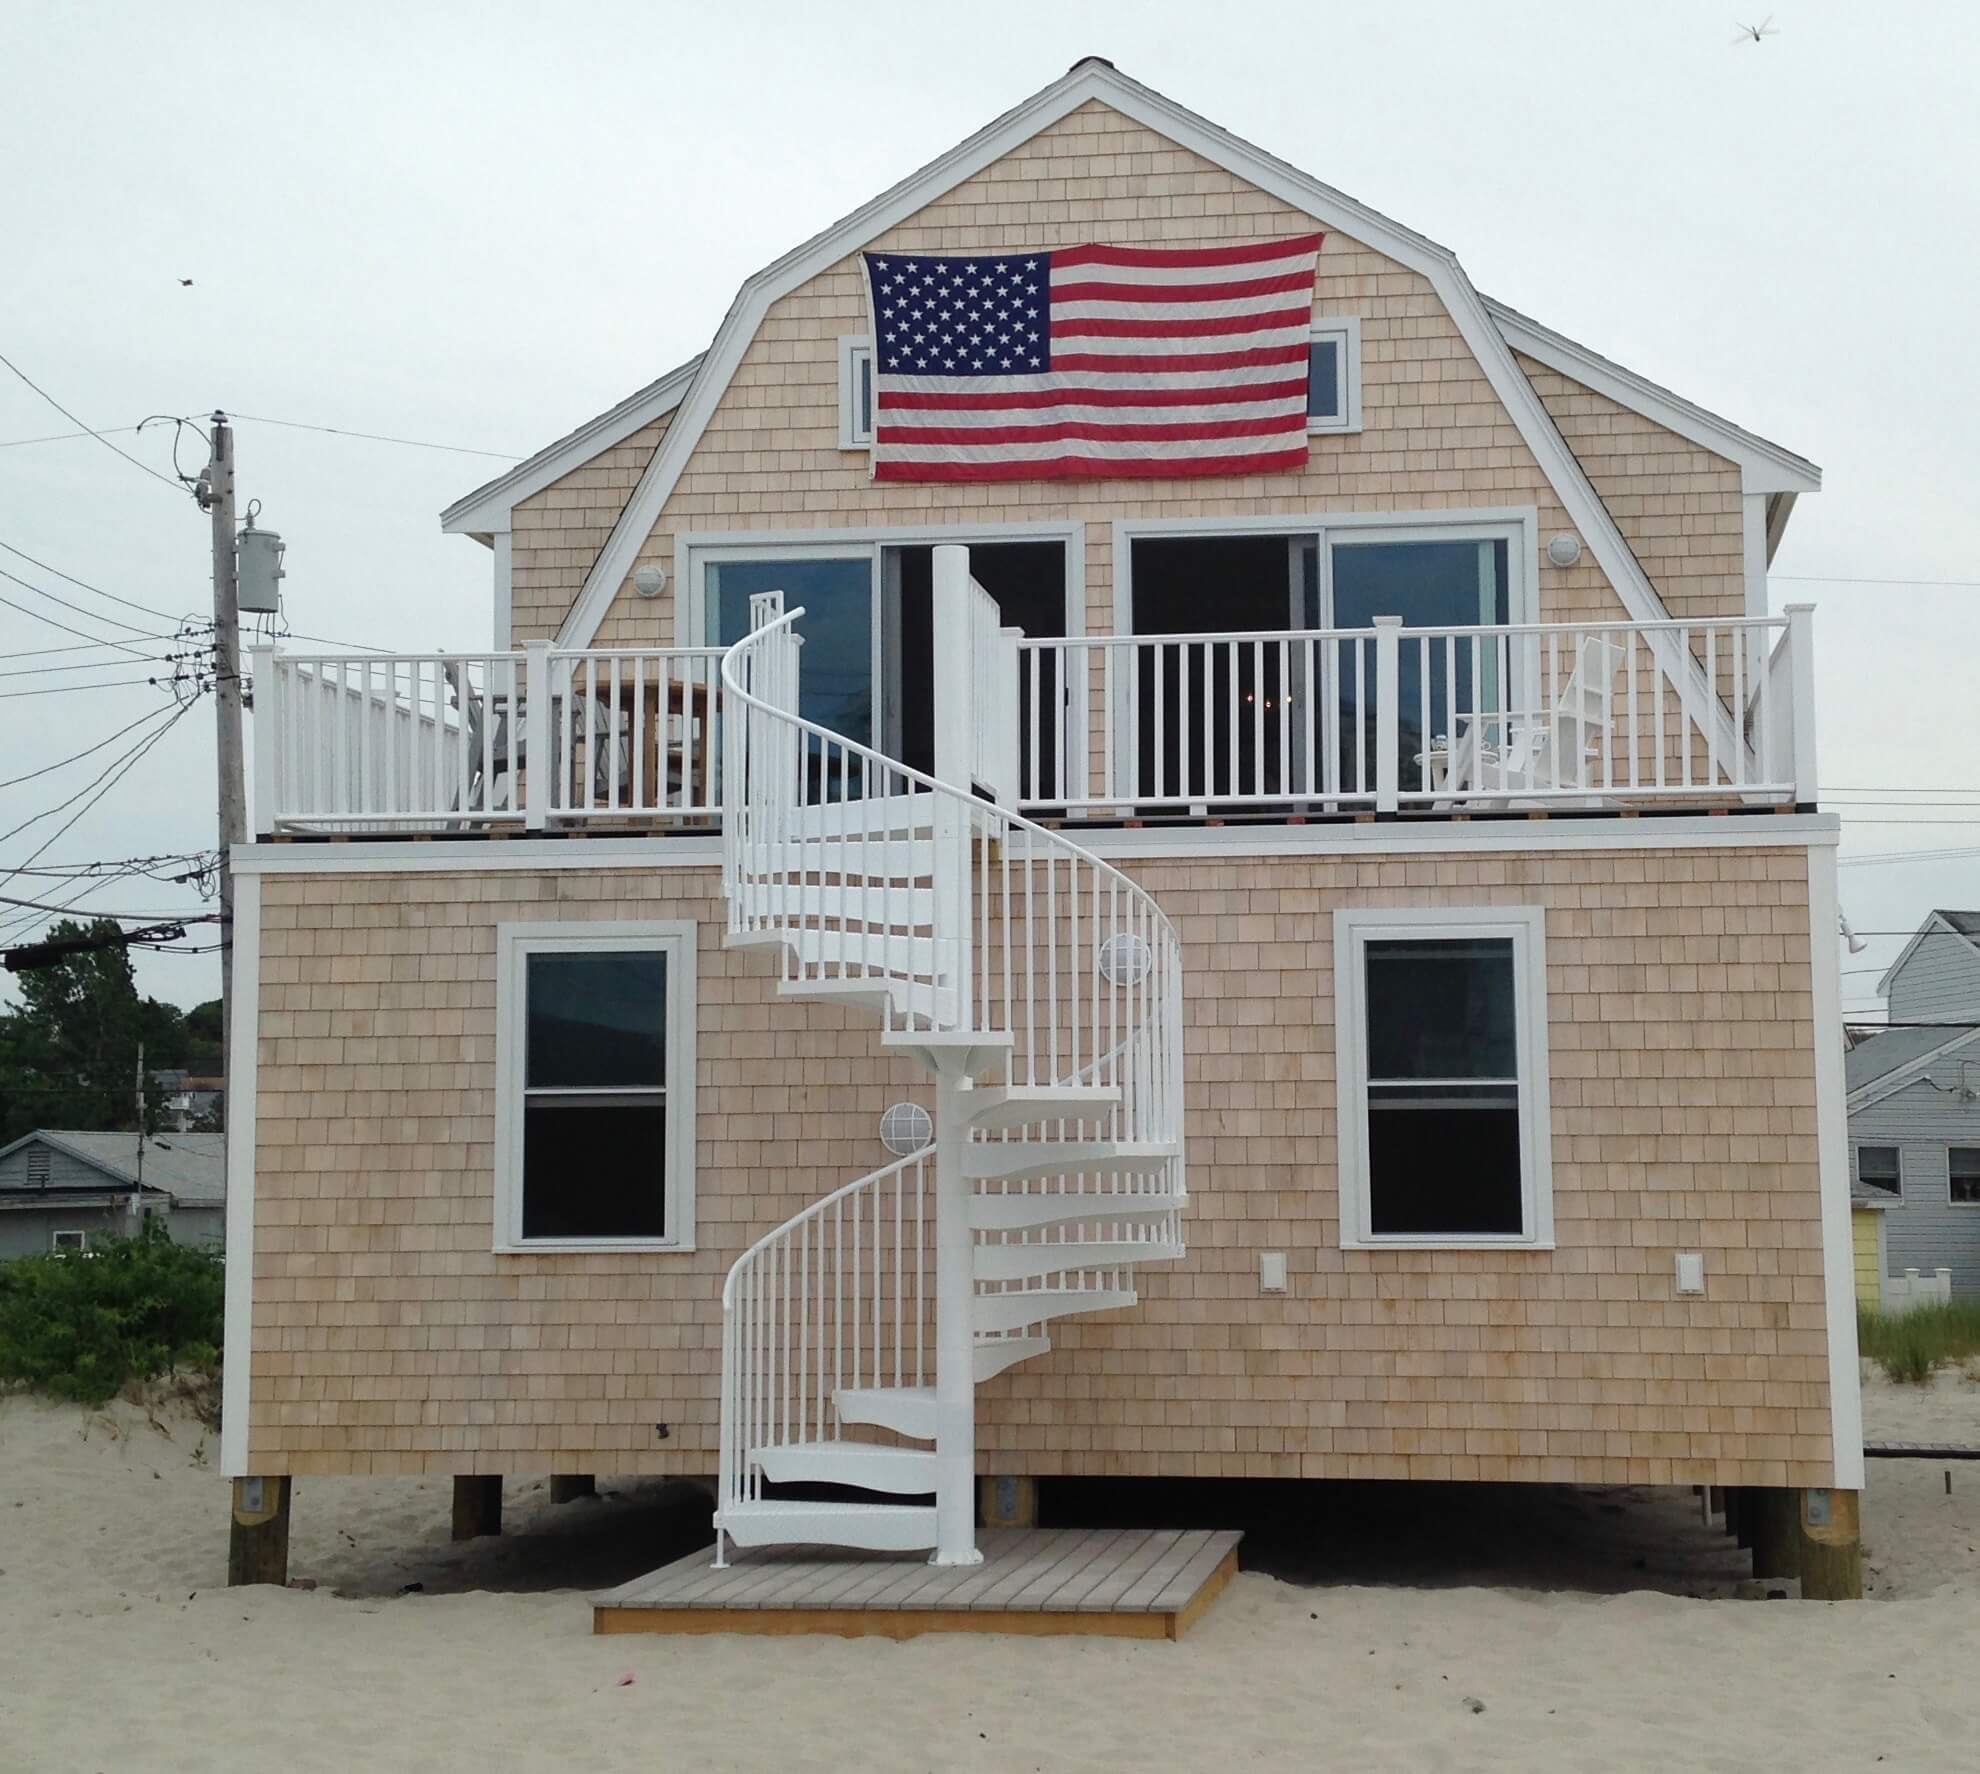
485, 511
1898, 1077
1095, 80
1932, 926
1764, 467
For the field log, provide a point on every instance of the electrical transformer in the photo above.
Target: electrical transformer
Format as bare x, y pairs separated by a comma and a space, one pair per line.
259, 553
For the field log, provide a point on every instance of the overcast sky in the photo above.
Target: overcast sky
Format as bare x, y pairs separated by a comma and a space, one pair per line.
478, 224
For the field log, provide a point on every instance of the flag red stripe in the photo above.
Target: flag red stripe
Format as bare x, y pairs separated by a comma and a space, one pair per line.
1190, 328
1252, 357
1098, 467
1182, 292
1158, 256
1216, 396
1089, 431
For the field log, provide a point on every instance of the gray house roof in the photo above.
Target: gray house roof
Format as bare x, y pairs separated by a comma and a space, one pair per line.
191, 1167
1880, 1057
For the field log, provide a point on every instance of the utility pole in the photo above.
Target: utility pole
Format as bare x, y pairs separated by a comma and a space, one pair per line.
137, 1194
217, 496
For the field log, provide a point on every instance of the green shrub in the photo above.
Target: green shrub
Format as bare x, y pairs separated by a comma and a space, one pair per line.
84, 1326
1911, 1345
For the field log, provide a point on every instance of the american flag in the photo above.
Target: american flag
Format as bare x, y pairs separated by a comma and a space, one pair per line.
1091, 361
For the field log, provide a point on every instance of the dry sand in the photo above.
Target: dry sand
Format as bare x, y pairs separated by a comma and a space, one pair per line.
118, 1652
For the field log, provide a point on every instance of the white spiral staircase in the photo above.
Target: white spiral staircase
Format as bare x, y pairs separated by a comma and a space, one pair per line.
1040, 986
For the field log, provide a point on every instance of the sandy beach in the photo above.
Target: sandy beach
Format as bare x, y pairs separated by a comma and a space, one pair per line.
119, 1650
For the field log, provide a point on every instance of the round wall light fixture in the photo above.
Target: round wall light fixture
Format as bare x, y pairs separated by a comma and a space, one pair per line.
650, 580
1564, 550
1125, 959
905, 1128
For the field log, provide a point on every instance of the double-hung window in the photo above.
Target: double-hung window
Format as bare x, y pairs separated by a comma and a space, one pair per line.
1442, 1065
1879, 1168
594, 1134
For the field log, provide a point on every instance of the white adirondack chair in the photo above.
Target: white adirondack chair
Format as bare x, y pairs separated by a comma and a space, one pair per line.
1526, 752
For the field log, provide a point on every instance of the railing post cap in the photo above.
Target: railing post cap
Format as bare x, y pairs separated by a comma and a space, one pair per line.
1797, 609
1387, 621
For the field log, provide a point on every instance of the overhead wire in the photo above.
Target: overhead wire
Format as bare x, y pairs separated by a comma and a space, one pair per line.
84, 584
72, 689
144, 467
118, 766
412, 443
77, 757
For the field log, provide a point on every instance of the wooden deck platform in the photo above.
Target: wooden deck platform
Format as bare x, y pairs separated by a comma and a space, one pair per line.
1121, 1583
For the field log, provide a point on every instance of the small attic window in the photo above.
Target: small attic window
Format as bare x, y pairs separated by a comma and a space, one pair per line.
855, 393
37, 1167
1333, 375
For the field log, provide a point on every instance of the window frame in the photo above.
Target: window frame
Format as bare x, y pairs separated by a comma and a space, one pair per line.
1354, 929
675, 938
1896, 1151
1345, 331
853, 347
56, 1235
1953, 1200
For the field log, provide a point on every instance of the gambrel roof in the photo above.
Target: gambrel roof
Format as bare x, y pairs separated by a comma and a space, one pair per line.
1492, 332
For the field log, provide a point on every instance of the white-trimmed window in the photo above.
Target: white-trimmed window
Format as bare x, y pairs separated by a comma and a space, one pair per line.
594, 1103
1881, 1168
855, 393
1441, 1042
1963, 1175
69, 1241
1333, 374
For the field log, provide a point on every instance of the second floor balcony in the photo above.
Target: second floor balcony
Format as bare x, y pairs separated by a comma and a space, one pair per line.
1307, 724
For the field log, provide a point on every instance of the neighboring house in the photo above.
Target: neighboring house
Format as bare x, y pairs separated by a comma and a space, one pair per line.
61, 1190
1914, 1111
1406, 826
190, 1101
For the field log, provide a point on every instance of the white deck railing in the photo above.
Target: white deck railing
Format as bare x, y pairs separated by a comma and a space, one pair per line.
1390, 718
1383, 719
388, 742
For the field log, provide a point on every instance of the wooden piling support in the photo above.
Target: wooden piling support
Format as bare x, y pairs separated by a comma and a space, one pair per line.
1831, 1546
1007, 1501
1776, 1532
477, 1507
258, 1537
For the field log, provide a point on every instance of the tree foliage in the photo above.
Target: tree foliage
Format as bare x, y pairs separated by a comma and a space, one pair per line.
82, 1325
69, 1050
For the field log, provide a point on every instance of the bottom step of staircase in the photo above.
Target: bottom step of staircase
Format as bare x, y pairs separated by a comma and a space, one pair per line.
872, 1527
1122, 1583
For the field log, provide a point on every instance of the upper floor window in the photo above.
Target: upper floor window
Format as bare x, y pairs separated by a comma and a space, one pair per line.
1877, 1168
855, 393
594, 1138
1963, 1175
1333, 375
1443, 1103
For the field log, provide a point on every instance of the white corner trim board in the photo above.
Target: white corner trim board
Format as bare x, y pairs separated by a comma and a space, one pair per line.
1088, 81
1832, 1166
238, 1314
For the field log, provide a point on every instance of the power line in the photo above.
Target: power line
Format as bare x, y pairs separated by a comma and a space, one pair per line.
77, 757
73, 420
1890, 856
46, 671
412, 443
83, 634
88, 647
15, 443
1839, 579
128, 603
72, 689
119, 766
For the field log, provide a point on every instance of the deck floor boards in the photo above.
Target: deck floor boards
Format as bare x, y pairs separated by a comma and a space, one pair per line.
1139, 1582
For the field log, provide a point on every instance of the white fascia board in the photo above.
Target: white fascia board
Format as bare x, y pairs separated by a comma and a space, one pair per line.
1755, 831
1904, 1076
1088, 81
1934, 925
1764, 467
485, 512
1780, 507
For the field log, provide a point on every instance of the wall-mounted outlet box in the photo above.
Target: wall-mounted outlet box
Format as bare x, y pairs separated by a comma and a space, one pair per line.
1271, 1271
1690, 1272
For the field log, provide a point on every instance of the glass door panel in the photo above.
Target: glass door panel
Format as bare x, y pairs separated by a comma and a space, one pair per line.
836, 678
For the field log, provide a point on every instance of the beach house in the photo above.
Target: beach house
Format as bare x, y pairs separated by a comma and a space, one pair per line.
1129, 834
1914, 1122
